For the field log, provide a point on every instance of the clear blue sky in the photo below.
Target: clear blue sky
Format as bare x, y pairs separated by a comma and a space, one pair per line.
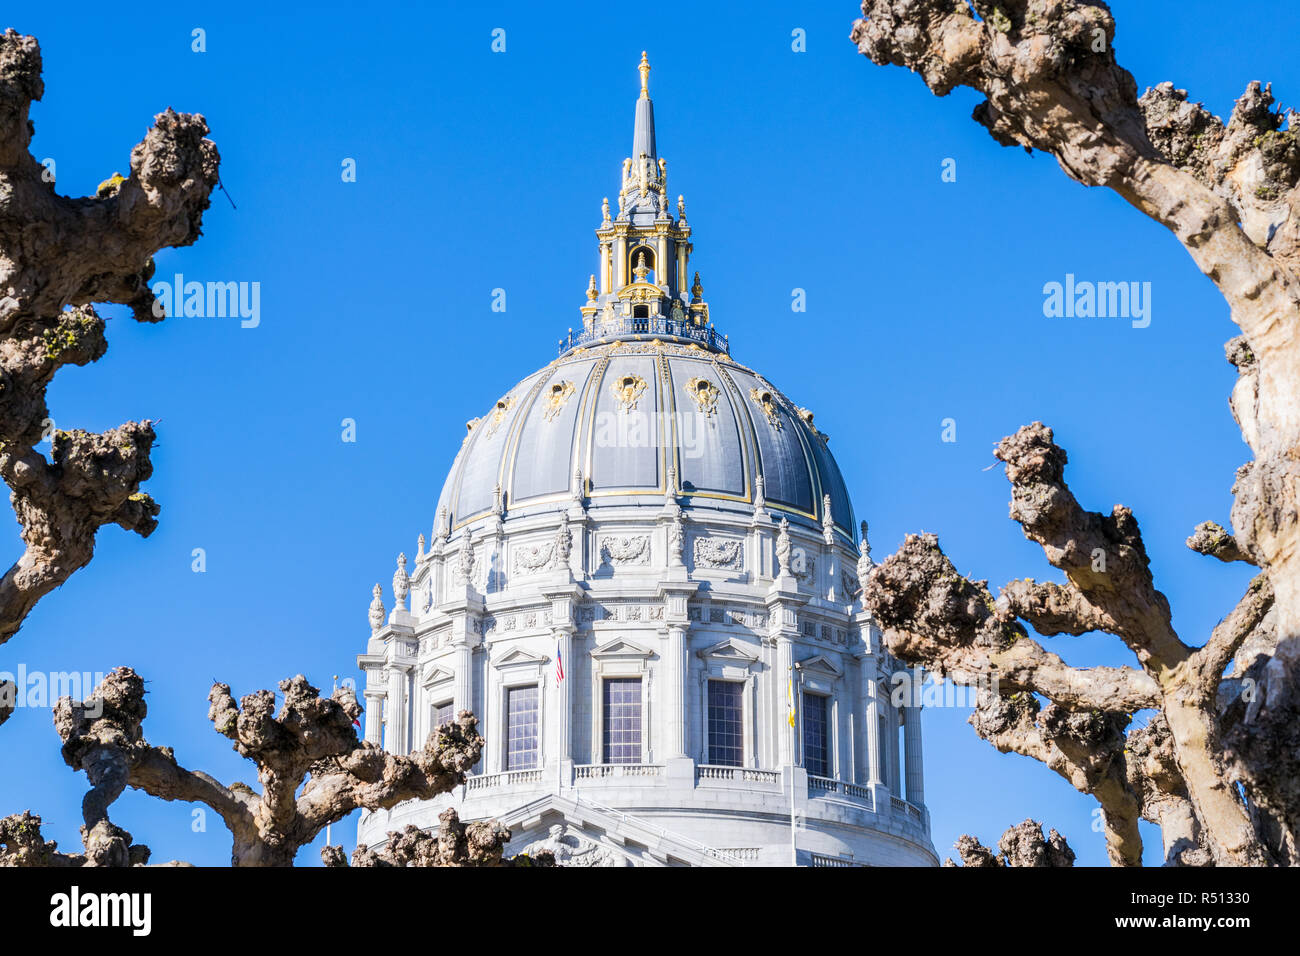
477, 170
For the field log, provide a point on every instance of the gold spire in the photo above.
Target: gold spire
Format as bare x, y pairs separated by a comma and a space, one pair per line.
645, 76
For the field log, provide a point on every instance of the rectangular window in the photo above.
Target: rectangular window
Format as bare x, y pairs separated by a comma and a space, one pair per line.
443, 714
726, 723
623, 720
816, 746
521, 728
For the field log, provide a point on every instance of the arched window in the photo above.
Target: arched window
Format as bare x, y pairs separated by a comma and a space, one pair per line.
642, 258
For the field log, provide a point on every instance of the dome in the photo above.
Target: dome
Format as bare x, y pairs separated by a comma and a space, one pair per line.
625, 419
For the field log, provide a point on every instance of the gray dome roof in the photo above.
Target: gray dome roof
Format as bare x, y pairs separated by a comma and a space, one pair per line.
626, 413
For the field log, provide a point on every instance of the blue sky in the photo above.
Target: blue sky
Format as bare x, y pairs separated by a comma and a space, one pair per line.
479, 170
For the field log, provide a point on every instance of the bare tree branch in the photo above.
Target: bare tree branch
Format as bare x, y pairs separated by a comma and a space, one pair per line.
58, 255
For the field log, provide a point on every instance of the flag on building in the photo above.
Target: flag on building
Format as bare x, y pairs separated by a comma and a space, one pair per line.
559, 665
789, 701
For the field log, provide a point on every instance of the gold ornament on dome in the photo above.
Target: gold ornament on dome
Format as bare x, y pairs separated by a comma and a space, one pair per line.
765, 400
499, 414
556, 398
705, 395
627, 390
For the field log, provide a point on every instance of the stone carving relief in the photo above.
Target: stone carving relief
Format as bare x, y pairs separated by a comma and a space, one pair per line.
530, 559
620, 550
573, 849
719, 553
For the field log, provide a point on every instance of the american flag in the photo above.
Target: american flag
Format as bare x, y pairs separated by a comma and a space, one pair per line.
559, 666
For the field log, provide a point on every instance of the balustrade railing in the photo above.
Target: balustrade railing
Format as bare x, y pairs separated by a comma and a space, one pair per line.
625, 327
504, 779
743, 774
598, 771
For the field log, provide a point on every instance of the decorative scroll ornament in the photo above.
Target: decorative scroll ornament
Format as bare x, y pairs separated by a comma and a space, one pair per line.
766, 401
828, 520
556, 398
719, 553
704, 394
783, 548
760, 493
533, 558
627, 391
625, 549
401, 582
377, 610
499, 414
444, 524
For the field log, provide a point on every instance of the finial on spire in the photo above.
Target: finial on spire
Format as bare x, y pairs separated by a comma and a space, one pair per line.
645, 75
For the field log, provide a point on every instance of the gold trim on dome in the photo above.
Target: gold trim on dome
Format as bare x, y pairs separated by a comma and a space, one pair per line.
557, 396
627, 390
704, 394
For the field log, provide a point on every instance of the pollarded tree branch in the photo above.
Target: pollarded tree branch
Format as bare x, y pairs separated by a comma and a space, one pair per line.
454, 843
309, 748
1211, 540
1021, 845
1230, 193
1103, 556
932, 616
58, 255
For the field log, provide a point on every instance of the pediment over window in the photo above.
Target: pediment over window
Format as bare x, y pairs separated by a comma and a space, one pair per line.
518, 657
820, 664
621, 647
730, 651
435, 674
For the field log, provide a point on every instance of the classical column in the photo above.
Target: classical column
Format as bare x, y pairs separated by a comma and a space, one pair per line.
912, 755
872, 728
395, 739
620, 262
463, 683
374, 717
785, 677
563, 699
675, 692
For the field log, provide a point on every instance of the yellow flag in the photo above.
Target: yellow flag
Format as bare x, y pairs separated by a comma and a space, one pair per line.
789, 701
